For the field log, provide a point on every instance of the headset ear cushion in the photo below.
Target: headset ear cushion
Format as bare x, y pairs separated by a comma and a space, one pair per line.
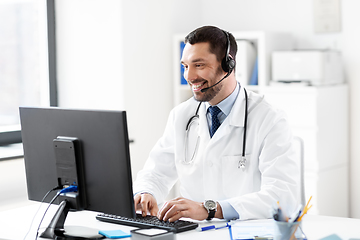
231, 64
228, 64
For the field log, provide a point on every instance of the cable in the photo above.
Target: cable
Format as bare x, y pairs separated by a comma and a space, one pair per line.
42, 201
71, 188
52, 200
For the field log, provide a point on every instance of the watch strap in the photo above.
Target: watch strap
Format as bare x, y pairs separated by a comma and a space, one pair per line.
211, 214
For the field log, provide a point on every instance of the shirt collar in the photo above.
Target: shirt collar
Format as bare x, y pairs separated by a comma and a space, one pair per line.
227, 104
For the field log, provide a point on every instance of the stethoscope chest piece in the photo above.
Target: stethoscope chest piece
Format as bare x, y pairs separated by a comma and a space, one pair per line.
242, 163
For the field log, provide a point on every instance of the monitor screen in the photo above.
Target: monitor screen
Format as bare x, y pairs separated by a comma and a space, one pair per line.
103, 146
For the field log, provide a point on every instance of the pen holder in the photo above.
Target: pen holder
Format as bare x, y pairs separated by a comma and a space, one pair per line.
285, 230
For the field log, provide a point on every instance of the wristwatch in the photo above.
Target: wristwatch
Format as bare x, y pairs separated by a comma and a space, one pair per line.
211, 207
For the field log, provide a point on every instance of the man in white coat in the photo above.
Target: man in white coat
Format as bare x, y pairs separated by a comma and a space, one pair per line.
203, 144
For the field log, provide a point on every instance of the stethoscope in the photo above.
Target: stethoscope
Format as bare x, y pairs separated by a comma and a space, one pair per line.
195, 118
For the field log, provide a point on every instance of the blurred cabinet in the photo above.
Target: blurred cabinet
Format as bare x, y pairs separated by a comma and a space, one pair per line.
319, 115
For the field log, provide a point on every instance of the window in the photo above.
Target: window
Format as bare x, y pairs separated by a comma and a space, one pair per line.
24, 74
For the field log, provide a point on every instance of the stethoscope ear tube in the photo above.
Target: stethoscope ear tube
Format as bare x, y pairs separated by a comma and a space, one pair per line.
245, 123
242, 161
192, 118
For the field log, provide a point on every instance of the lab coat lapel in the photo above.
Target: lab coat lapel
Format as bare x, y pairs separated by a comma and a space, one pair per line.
235, 118
237, 113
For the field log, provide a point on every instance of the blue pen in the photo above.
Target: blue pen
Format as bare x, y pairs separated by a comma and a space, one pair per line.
201, 229
230, 233
217, 226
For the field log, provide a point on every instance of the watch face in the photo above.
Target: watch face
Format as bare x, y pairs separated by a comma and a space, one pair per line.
210, 204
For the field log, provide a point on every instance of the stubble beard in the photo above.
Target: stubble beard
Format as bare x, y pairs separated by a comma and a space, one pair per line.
208, 95
211, 92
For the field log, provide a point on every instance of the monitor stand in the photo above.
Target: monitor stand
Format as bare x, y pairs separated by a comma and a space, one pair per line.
56, 229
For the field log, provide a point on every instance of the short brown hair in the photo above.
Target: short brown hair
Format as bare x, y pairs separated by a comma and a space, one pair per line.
217, 39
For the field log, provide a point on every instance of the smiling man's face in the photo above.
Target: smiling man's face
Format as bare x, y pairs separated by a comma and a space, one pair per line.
202, 70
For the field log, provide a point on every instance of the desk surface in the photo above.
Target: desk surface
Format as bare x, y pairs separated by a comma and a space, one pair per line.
15, 223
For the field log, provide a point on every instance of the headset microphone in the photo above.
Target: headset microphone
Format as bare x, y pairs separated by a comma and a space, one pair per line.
205, 89
227, 64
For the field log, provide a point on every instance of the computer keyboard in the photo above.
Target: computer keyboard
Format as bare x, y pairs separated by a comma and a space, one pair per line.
148, 222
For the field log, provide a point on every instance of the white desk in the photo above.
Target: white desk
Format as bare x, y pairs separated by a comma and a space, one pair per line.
15, 223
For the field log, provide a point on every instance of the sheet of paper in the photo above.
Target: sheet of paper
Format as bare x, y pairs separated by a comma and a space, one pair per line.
250, 229
256, 228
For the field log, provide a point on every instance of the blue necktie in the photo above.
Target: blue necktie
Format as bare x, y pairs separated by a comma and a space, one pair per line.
215, 123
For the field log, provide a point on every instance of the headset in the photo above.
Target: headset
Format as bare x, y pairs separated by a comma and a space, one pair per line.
228, 64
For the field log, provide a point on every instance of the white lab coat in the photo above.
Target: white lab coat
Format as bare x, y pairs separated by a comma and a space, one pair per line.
271, 173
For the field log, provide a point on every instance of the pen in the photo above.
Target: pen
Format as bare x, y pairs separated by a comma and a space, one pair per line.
217, 226
201, 229
295, 216
223, 225
256, 238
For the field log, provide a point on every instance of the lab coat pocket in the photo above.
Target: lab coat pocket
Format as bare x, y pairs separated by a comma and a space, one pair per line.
235, 180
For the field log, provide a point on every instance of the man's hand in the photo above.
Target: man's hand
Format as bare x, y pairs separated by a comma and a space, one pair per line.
146, 203
182, 207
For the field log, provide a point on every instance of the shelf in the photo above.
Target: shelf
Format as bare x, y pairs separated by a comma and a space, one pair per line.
265, 43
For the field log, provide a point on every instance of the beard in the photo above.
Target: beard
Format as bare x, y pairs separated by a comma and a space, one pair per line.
211, 92
208, 95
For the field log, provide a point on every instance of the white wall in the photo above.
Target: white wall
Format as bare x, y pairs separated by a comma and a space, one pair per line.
118, 54
89, 54
147, 36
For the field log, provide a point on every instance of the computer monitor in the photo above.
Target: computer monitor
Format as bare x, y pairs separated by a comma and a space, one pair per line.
53, 138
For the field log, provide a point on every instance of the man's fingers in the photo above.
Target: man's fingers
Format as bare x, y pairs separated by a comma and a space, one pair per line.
173, 210
176, 212
146, 203
162, 211
180, 207
178, 215
165, 208
144, 207
137, 199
